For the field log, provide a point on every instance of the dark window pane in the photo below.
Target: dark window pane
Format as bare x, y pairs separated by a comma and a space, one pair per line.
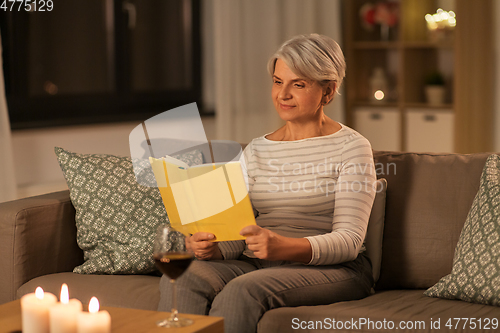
69, 51
160, 39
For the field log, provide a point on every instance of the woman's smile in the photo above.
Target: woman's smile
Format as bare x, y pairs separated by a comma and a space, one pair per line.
286, 107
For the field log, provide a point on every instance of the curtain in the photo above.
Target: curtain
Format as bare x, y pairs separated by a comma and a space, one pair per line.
8, 188
245, 34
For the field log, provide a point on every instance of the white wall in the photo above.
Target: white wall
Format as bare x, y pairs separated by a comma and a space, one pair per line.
37, 170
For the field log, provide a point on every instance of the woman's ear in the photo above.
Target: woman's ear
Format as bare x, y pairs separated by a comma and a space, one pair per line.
329, 92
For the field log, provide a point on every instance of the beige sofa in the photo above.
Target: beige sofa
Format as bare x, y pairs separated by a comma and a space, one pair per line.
428, 198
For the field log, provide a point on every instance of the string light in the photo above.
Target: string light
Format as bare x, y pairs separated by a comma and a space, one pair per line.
441, 20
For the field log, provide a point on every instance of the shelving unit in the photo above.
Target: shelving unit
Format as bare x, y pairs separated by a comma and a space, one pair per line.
464, 122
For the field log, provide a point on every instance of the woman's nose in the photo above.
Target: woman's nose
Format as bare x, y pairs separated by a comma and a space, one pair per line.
285, 92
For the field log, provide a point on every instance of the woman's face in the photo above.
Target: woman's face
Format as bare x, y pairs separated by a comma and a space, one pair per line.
294, 98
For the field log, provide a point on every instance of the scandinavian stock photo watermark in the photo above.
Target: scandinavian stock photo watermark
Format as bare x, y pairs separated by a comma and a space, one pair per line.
384, 325
326, 177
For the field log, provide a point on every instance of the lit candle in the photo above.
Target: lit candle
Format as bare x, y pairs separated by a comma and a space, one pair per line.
35, 311
94, 321
63, 315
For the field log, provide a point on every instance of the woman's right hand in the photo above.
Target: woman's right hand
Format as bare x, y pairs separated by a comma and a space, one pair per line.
203, 249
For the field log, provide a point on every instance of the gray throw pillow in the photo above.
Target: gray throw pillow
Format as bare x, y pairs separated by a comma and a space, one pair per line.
116, 217
475, 276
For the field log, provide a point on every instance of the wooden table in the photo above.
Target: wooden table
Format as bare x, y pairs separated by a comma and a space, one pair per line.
122, 320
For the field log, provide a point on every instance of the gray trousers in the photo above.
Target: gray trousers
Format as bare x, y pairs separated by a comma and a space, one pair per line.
242, 290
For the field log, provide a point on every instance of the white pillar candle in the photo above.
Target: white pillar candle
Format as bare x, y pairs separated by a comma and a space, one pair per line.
94, 321
35, 311
63, 314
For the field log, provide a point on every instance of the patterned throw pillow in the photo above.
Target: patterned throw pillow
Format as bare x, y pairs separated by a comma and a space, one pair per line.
475, 276
116, 217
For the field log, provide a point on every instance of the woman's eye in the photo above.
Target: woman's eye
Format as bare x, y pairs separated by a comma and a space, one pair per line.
277, 82
299, 85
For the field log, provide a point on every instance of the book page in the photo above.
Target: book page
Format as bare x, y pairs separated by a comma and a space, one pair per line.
202, 199
202, 196
237, 181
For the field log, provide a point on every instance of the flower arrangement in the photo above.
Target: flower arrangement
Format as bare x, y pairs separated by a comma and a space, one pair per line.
385, 13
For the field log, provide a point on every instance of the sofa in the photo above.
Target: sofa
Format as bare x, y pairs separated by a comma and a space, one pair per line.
427, 202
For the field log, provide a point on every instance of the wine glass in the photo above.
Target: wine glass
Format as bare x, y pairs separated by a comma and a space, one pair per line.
172, 258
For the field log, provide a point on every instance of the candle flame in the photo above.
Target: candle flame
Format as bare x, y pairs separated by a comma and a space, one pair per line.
39, 293
64, 294
93, 305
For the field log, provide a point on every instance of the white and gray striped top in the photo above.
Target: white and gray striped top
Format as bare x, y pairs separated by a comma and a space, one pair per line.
320, 188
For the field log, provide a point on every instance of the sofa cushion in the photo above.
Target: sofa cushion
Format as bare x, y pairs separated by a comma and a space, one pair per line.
409, 307
375, 231
116, 217
126, 291
475, 276
428, 199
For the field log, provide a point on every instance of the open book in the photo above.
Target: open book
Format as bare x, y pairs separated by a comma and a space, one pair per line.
208, 197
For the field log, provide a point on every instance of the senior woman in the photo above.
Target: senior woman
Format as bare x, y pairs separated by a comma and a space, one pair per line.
310, 183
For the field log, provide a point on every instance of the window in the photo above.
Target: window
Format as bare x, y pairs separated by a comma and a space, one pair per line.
100, 60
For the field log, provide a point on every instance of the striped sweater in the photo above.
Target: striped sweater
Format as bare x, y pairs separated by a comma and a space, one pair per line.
320, 188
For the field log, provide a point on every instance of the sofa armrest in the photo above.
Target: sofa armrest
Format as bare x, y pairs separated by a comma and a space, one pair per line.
37, 237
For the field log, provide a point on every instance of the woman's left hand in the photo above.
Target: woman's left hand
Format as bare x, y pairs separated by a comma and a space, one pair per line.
264, 243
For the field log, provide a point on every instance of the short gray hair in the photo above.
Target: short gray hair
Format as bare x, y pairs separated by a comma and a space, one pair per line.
315, 57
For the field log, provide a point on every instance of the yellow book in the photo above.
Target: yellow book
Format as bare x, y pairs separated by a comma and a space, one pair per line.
208, 197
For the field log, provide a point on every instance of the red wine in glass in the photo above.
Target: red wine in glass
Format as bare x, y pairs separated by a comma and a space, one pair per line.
173, 264
172, 259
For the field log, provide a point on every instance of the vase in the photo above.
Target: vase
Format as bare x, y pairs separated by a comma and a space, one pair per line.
434, 94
